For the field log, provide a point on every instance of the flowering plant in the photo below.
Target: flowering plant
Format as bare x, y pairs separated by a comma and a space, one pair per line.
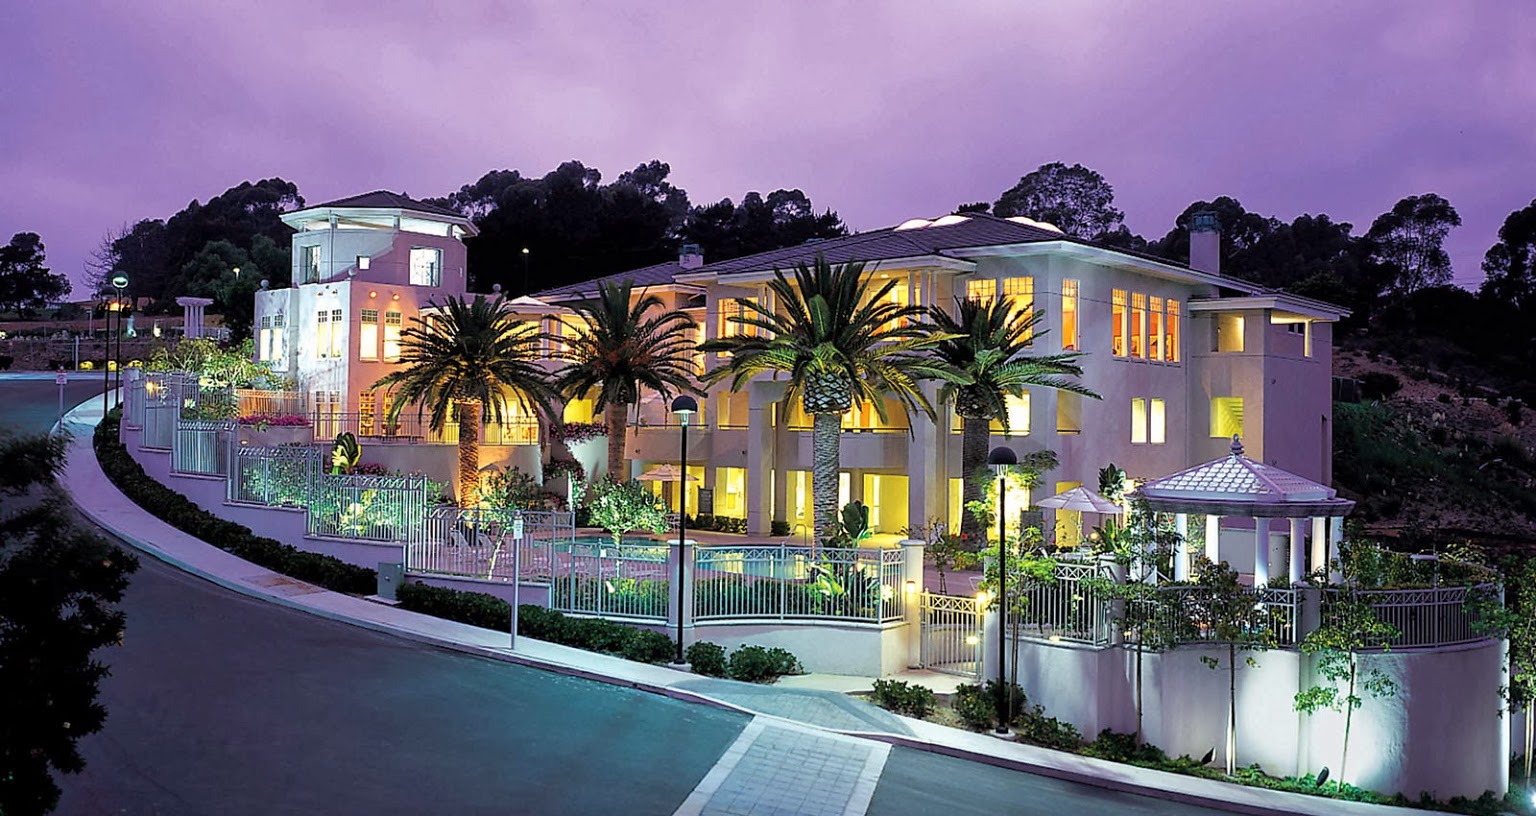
565, 467
571, 432
265, 421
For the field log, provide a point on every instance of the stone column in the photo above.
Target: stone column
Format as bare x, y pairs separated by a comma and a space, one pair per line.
1181, 552
1319, 543
912, 598
1260, 551
927, 477
1298, 571
1213, 538
680, 596
762, 458
1335, 537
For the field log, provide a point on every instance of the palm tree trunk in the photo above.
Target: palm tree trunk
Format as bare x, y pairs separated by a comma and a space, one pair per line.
826, 433
973, 457
469, 453
616, 415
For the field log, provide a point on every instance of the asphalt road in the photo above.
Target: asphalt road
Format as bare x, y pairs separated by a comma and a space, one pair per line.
221, 704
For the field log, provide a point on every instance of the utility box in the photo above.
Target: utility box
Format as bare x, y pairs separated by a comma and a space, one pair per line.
391, 576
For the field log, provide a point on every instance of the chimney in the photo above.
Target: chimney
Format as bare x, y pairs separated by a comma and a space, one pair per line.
1205, 242
690, 257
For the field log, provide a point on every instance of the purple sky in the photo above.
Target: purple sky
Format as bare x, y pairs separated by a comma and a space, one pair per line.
121, 111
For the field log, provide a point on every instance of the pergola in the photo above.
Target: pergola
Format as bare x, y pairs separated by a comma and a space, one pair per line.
1238, 487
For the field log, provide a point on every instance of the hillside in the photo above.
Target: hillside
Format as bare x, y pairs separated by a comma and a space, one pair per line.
1435, 454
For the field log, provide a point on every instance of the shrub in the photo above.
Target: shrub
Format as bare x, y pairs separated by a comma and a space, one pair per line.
757, 664
1379, 385
1514, 411
6, 361
646, 646
706, 658
1033, 726
778, 528
904, 698
975, 708
1118, 747
1443, 397
473, 608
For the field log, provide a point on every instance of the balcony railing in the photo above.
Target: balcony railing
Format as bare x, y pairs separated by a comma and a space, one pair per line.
411, 428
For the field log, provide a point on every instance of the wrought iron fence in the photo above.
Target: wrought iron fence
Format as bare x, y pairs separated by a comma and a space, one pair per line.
1066, 609
163, 396
1434, 616
202, 446
133, 398
371, 508
798, 582
611, 580
253, 401
477, 543
951, 634
276, 477
411, 428
1182, 614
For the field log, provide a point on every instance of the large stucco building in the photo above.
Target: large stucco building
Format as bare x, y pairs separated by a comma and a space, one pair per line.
1183, 357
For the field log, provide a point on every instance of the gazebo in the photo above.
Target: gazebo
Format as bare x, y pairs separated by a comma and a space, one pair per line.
1238, 487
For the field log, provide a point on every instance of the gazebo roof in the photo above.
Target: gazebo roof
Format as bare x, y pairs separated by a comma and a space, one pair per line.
1235, 485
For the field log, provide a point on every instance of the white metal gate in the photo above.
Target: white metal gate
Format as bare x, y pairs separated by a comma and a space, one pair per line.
951, 634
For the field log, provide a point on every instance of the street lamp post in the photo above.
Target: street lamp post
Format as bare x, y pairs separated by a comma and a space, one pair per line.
1001, 459
119, 282
527, 289
683, 407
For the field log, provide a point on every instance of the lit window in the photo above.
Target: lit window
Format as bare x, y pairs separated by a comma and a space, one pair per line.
426, 266
363, 262
1117, 322
1138, 421
981, 290
1069, 315
392, 335
338, 334
736, 308
368, 335
1138, 325
550, 342
1155, 332
279, 343
1021, 291
1158, 420
264, 344
366, 407
1069, 412
1226, 417
323, 333
699, 366
1017, 407
1171, 333
1229, 332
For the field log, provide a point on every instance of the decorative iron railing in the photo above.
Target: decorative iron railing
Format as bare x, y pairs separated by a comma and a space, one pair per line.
411, 428
1065, 609
1435, 616
951, 634
253, 401
202, 446
276, 477
798, 582
476, 543
611, 580
370, 508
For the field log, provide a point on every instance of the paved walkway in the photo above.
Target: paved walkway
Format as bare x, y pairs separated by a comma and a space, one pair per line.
830, 746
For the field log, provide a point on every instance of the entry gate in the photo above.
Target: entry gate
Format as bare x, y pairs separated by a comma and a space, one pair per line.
951, 634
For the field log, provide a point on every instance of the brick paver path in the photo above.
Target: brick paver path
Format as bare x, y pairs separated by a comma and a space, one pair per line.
777, 768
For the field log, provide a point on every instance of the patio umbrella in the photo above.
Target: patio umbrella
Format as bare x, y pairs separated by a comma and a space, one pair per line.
665, 473
1080, 498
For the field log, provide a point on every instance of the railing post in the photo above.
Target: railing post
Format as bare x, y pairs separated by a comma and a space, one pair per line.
680, 565
1309, 612
912, 598
1116, 608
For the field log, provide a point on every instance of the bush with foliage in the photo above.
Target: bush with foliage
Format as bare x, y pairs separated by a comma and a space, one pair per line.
904, 698
619, 507
261, 422
567, 468
778, 528
706, 658
758, 664
1379, 385
572, 433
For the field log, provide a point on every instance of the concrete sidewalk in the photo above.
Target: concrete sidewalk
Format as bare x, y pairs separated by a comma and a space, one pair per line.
816, 701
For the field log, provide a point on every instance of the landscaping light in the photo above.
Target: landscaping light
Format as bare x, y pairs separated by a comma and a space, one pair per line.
971, 640
982, 598
911, 588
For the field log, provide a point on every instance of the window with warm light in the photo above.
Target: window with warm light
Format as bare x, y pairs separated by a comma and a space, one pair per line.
1117, 322
1138, 421
323, 333
1171, 333
1069, 412
731, 310
731, 492
368, 335
1069, 315
264, 340
1021, 290
426, 266
1138, 325
366, 407
279, 356
1228, 329
981, 290
338, 334
1017, 407
392, 323
1155, 329
1226, 417
1157, 421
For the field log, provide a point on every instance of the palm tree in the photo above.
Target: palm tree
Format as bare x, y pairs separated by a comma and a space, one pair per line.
839, 344
469, 355
989, 342
622, 347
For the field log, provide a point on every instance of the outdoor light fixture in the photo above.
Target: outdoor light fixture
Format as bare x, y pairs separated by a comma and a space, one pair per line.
119, 282
1000, 460
911, 588
683, 407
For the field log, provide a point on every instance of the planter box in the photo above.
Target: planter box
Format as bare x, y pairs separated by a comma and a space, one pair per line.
277, 435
